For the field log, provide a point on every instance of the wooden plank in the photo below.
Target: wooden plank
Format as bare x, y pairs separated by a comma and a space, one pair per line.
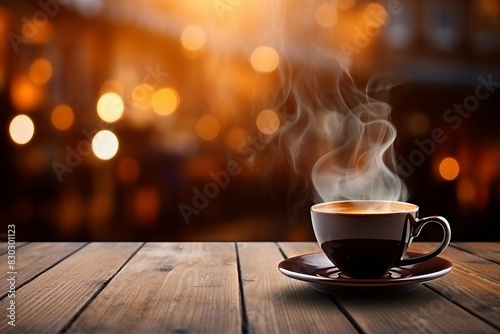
488, 250
170, 288
299, 248
421, 310
33, 259
3, 246
48, 303
474, 282
278, 304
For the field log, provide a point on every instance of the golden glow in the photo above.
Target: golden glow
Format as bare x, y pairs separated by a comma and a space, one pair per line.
236, 138
165, 101
449, 169
326, 15
146, 205
207, 127
21, 129
268, 122
38, 30
110, 107
25, 95
375, 14
62, 117
40, 71
128, 170
264, 59
111, 86
105, 145
142, 96
345, 4
193, 37
466, 191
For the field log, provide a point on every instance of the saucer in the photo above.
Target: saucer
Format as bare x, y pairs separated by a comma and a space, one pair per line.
317, 270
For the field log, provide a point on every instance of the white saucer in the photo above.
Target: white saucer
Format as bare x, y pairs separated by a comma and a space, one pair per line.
317, 270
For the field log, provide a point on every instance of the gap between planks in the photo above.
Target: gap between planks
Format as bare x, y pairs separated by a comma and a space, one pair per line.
91, 299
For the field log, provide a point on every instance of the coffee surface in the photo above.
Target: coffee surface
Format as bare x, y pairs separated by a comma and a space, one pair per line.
364, 207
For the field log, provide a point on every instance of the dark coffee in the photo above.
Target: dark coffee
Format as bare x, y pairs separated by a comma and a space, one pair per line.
363, 258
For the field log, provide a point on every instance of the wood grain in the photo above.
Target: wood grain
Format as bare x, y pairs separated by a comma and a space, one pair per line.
488, 250
420, 310
277, 304
48, 303
474, 282
170, 288
33, 259
3, 246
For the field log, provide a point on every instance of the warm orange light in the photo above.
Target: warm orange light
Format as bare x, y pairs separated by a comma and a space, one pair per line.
193, 37
62, 117
236, 137
128, 170
21, 129
268, 122
38, 30
449, 169
207, 127
105, 145
375, 15
326, 15
466, 191
111, 86
146, 205
264, 59
345, 4
25, 95
165, 101
40, 71
110, 107
142, 96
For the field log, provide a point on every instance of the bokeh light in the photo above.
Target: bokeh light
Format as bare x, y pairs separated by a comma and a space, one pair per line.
326, 15
264, 59
128, 170
375, 15
110, 107
345, 4
105, 145
193, 37
24, 94
165, 101
21, 129
236, 137
268, 122
466, 191
449, 169
207, 127
40, 71
62, 117
146, 205
111, 86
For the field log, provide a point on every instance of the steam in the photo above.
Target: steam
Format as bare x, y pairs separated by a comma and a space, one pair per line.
345, 130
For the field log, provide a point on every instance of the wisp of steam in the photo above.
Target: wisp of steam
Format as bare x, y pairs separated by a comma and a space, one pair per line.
346, 131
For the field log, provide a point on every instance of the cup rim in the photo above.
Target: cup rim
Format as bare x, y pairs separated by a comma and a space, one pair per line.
411, 207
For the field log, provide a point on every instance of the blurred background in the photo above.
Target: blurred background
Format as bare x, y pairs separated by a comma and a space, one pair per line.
161, 120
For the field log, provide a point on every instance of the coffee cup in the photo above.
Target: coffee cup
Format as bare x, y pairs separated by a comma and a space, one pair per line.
366, 238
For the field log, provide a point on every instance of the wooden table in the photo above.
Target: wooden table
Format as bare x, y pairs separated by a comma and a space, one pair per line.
231, 288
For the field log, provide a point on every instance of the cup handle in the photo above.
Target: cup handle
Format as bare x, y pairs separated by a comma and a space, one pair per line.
418, 227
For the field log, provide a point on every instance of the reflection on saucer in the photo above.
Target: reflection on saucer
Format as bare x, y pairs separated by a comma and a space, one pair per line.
323, 276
